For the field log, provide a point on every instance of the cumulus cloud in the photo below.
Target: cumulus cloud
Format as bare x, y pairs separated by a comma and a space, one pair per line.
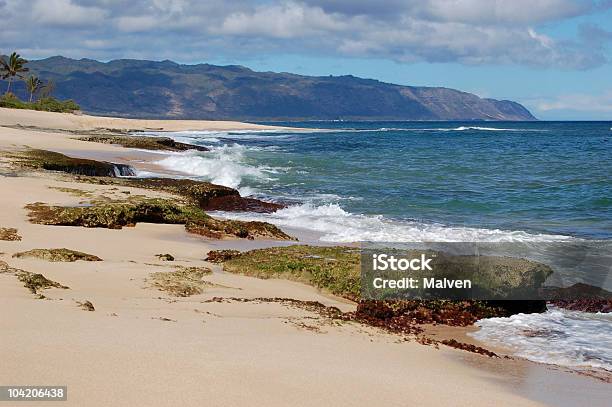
463, 31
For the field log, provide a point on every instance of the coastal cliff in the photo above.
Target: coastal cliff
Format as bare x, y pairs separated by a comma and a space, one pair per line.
137, 88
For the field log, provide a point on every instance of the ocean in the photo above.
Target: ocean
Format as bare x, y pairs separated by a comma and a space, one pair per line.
438, 182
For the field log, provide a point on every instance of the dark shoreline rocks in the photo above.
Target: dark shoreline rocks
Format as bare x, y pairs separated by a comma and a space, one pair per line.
52, 161
208, 196
580, 297
144, 142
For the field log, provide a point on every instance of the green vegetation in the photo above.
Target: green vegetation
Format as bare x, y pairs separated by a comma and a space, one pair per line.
116, 214
11, 68
33, 86
9, 234
335, 269
48, 104
184, 282
56, 255
14, 67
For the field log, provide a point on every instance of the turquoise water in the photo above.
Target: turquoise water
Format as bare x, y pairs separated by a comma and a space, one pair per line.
392, 180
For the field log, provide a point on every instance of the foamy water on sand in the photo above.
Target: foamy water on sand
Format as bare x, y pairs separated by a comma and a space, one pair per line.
561, 337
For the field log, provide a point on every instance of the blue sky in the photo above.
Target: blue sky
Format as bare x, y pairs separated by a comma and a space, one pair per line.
553, 56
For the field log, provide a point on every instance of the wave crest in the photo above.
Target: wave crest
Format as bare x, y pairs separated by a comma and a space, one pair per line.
337, 225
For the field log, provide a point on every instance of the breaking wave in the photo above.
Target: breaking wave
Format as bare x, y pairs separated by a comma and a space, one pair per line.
224, 165
337, 225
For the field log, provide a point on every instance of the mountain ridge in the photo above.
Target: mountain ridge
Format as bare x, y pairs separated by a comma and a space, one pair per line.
166, 89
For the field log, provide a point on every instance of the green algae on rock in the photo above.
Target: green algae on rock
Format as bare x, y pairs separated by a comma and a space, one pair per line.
9, 234
144, 142
184, 282
217, 229
57, 255
336, 269
116, 214
52, 161
35, 282
204, 194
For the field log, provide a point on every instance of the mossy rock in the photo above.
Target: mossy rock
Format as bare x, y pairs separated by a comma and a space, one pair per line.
116, 214
52, 161
335, 269
206, 195
36, 282
184, 282
220, 256
9, 234
144, 142
57, 255
217, 229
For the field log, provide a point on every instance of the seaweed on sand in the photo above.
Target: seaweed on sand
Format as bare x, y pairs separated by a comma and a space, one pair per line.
184, 282
9, 234
55, 255
32, 281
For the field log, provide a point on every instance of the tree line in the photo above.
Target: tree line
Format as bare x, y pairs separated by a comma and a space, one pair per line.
14, 67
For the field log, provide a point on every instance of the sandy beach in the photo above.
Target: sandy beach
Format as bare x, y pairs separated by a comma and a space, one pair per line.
223, 347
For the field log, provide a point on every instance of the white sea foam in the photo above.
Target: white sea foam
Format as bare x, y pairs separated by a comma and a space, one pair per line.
337, 225
561, 337
222, 165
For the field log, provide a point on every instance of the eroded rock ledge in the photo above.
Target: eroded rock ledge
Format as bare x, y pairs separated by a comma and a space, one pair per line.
117, 214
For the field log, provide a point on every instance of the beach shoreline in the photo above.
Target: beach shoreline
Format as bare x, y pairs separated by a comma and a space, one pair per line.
222, 352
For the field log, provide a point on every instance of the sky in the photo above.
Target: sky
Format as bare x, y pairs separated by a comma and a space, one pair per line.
553, 56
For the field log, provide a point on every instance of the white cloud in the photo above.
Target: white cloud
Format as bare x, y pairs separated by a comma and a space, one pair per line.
287, 20
66, 13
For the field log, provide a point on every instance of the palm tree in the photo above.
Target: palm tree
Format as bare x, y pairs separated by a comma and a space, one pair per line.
47, 89
33, 85
13, 67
